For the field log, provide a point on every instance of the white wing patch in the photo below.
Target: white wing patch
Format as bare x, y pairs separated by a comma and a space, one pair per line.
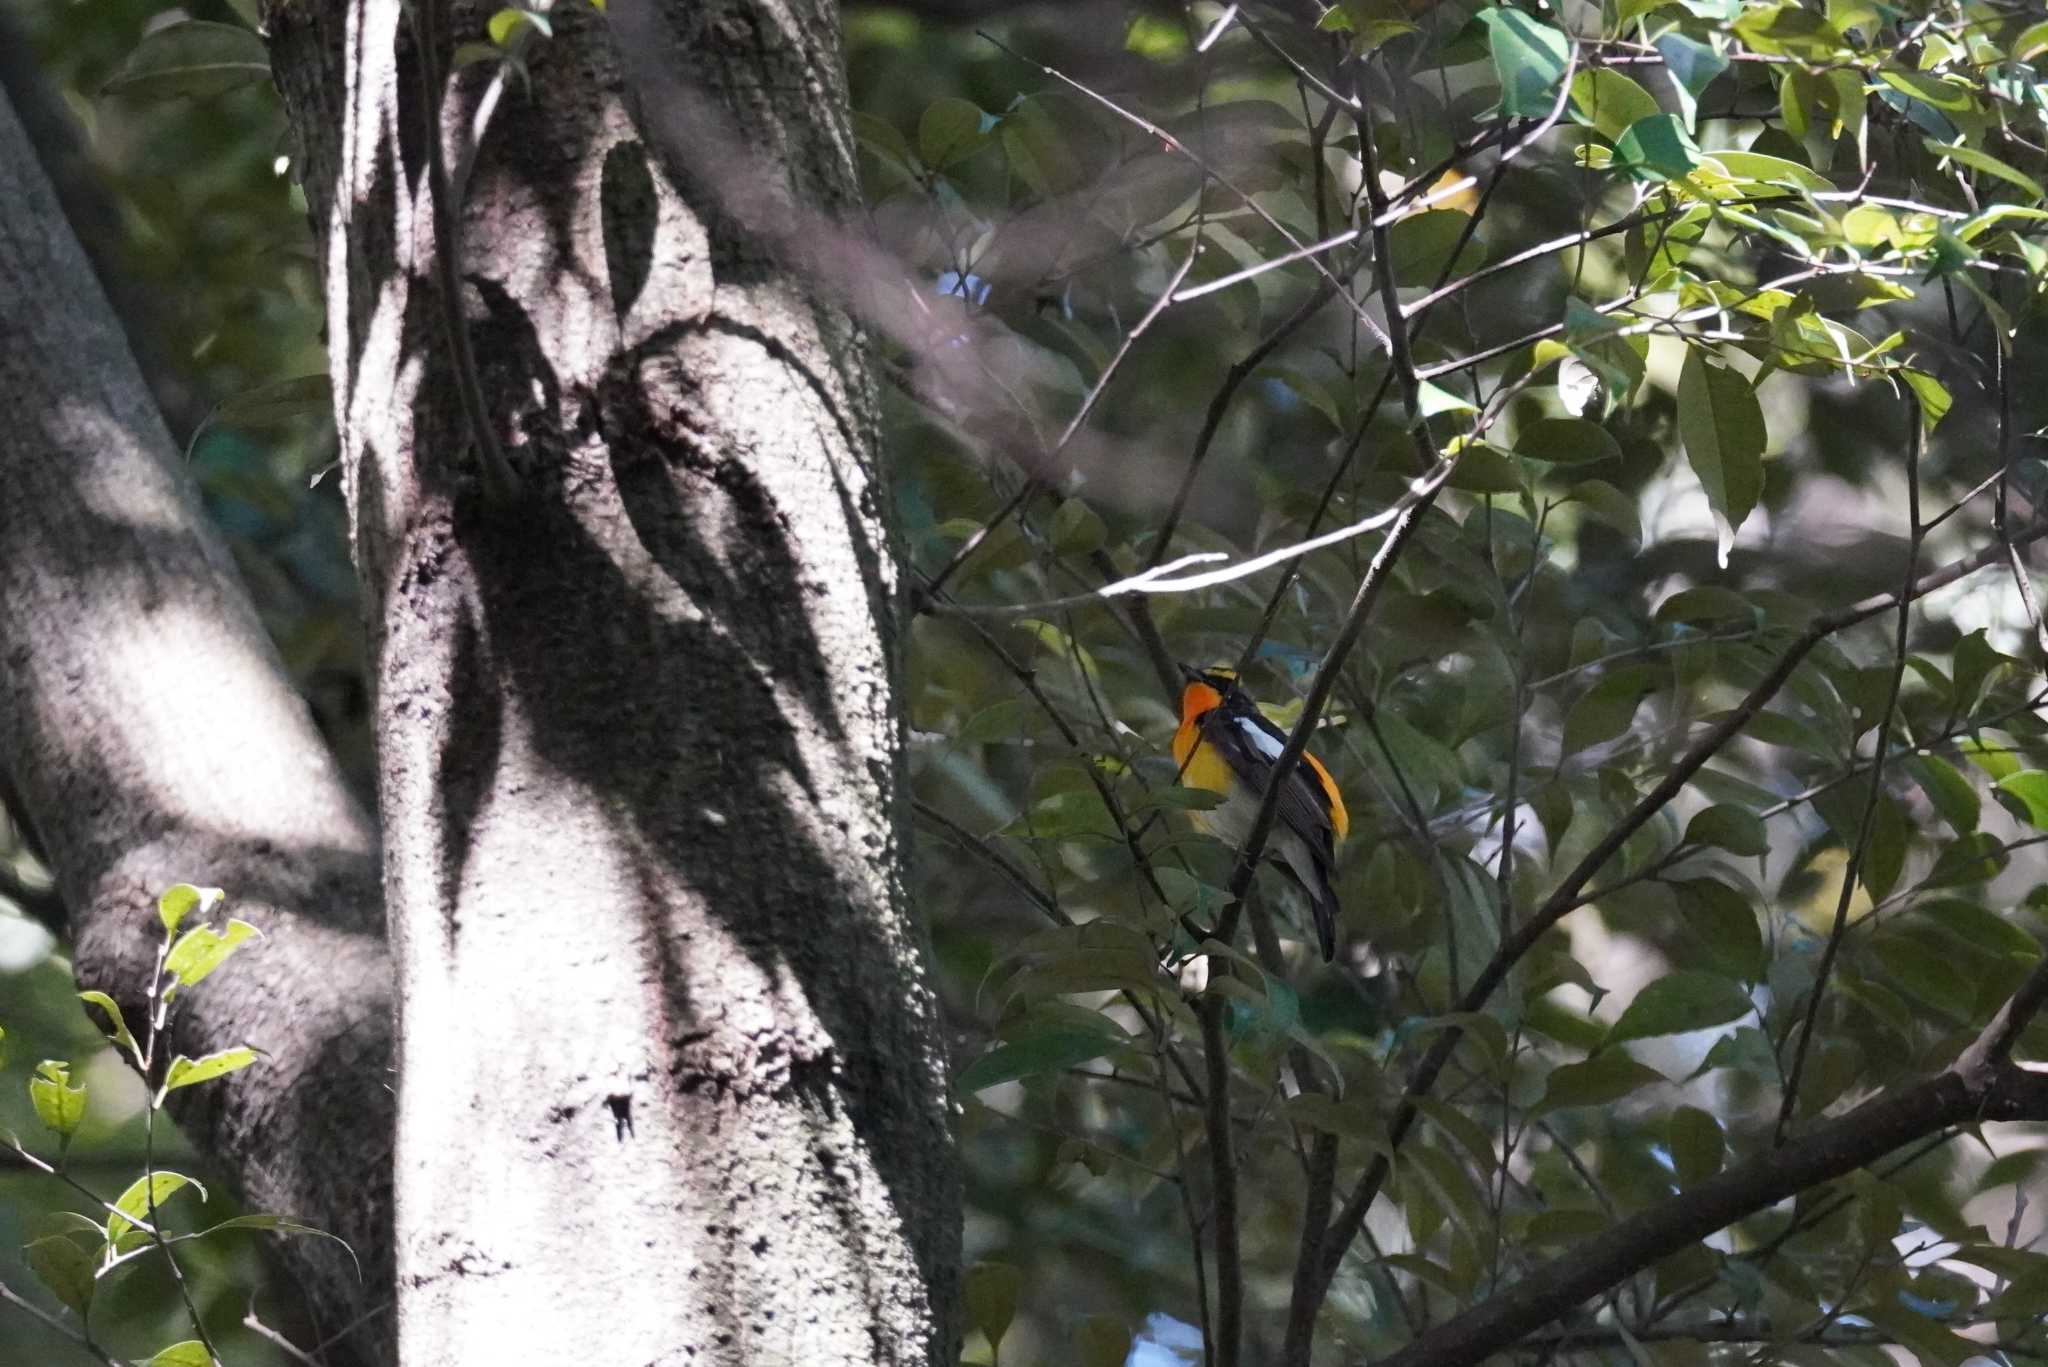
1267, 745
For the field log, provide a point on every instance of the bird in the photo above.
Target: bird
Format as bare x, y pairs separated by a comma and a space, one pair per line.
1226, 745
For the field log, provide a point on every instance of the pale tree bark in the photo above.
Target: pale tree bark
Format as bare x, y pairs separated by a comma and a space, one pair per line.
150, 731
672, 1086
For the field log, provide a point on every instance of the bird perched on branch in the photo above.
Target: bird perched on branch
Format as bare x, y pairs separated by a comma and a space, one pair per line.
1226, 745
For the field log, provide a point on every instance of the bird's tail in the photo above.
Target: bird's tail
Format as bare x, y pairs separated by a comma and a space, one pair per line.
1312, 872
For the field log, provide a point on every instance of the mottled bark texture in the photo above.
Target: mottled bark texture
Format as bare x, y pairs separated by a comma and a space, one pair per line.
148, 726
671, 1085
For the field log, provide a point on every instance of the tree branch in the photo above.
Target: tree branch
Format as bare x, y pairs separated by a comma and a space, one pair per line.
1980, 1085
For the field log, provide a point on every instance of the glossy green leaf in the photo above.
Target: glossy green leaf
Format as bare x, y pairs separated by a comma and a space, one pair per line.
1657, 149
1678, 1003
1692, 67
1953, 795
1529, 58
1722, 427
2025, 795
1610, 101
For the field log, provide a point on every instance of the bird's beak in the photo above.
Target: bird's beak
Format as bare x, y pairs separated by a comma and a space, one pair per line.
1189, 673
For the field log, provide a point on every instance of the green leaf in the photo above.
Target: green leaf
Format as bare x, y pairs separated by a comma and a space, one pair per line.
1728, 827
1037, 149
1077, 529
282, 401
1934, 397
2028, 790
1042, 1050
1787, 30
134, 1204
1657, 149
202, 949
180, 900
1680, 1002
1610, 505
1610, 101
1930, 977
118, 1030
1605, 710
882, 139
505, 25
950, 128
1180, 800
1692, 67
1722, 427
1953, 796
1567, 441
1007, 720
992, 1292
1606, 1077
194, 57
59, 1105
1990, 751
1990, 165
1967, 859
1697, 1145
189, 1072
1420, 246
1726, 925
1101, 1341
1951, 97
190, 1353
1530, 58
63, 1267
1433, 399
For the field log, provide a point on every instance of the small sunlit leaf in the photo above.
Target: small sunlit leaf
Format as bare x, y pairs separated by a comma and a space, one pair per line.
132, 1207
189, 1072
59, 1105
202, 949
117, 1028
180, 900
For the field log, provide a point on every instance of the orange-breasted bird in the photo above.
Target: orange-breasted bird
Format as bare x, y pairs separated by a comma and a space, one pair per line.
1226, 745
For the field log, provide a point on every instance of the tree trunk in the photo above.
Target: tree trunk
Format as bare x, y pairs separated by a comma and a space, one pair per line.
672, 1087
150, 731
